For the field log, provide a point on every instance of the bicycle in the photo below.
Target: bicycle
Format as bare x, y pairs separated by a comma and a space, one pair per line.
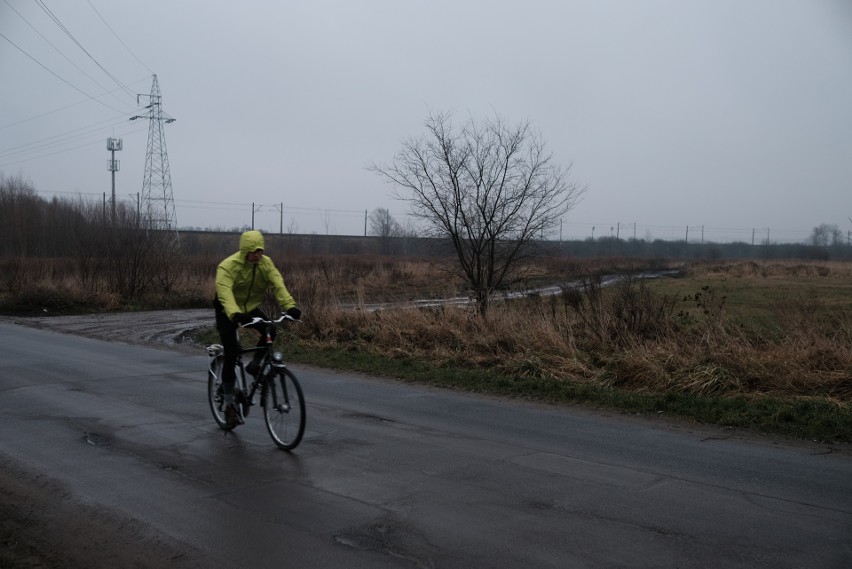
280, 393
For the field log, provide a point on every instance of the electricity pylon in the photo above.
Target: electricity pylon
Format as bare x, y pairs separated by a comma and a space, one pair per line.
157, 206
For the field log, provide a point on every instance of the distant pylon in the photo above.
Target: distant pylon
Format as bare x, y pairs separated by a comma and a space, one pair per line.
157, 206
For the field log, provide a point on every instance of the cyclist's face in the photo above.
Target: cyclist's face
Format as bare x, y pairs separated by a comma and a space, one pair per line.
254, 256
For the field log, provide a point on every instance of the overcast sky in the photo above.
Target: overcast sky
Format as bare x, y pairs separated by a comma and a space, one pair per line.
734, 115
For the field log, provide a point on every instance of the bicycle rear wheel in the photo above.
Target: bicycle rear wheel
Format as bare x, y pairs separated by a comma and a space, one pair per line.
284, 409
214, 391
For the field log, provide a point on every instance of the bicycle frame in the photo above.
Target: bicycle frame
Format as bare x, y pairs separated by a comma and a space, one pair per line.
265, 365
281, 396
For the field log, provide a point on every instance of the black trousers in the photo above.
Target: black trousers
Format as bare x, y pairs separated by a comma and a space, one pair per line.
228, 335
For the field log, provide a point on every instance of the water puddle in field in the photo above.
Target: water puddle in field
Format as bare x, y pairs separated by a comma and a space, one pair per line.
526, 293
176, 327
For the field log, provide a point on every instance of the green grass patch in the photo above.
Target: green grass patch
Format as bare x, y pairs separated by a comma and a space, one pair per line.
816, 419
759, 298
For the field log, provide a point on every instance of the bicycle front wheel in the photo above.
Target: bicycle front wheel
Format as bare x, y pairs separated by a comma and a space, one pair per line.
284, 409
214, 391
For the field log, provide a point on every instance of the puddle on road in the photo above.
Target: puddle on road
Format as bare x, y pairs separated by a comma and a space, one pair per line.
96, 440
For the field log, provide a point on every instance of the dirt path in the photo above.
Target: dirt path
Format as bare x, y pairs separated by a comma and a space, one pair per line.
155, 327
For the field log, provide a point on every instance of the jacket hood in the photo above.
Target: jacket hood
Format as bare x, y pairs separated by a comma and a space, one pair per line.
251, 241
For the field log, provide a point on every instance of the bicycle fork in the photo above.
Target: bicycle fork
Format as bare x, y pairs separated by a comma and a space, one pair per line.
277, 373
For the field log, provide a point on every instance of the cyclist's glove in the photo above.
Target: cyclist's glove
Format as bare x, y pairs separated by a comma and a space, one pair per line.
242, 319
294, 313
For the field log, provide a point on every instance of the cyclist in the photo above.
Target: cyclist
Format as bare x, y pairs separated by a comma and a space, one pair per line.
242, 280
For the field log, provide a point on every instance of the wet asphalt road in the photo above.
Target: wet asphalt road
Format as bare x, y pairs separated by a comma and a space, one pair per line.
393, 475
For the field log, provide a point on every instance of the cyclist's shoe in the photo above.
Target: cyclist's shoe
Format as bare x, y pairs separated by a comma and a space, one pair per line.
253, 368
232, 416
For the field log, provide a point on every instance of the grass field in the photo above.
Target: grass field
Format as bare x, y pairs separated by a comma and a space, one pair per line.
762, 346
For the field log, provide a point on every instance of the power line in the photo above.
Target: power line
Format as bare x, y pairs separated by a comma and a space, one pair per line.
36, 117
16, 46
43, 147
71, 36
288, 208
68, 149
56, 49
115, 121
67, 136
118, 38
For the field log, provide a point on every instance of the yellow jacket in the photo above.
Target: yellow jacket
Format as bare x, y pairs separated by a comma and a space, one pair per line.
241, 286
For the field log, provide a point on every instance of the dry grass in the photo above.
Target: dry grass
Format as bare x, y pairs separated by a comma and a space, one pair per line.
634, 336
724, 329
519, 342
774, 269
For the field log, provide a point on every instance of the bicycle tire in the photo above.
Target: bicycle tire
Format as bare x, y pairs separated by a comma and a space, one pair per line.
284, 409
214, 392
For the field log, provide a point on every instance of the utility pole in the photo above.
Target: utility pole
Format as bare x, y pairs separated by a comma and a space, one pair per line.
387, 222
113, 145
157, 198
254, 209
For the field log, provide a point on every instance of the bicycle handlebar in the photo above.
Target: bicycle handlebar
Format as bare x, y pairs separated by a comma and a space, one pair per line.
279, 320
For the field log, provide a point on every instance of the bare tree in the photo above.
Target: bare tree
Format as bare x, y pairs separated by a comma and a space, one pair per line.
385, 227
825, 235
382, 224
491, 188
21, 216
327, 221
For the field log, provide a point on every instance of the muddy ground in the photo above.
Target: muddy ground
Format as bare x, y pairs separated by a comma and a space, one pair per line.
154, 327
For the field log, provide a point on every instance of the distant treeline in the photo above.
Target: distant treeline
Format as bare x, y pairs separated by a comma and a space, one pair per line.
222, 243
32, 226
